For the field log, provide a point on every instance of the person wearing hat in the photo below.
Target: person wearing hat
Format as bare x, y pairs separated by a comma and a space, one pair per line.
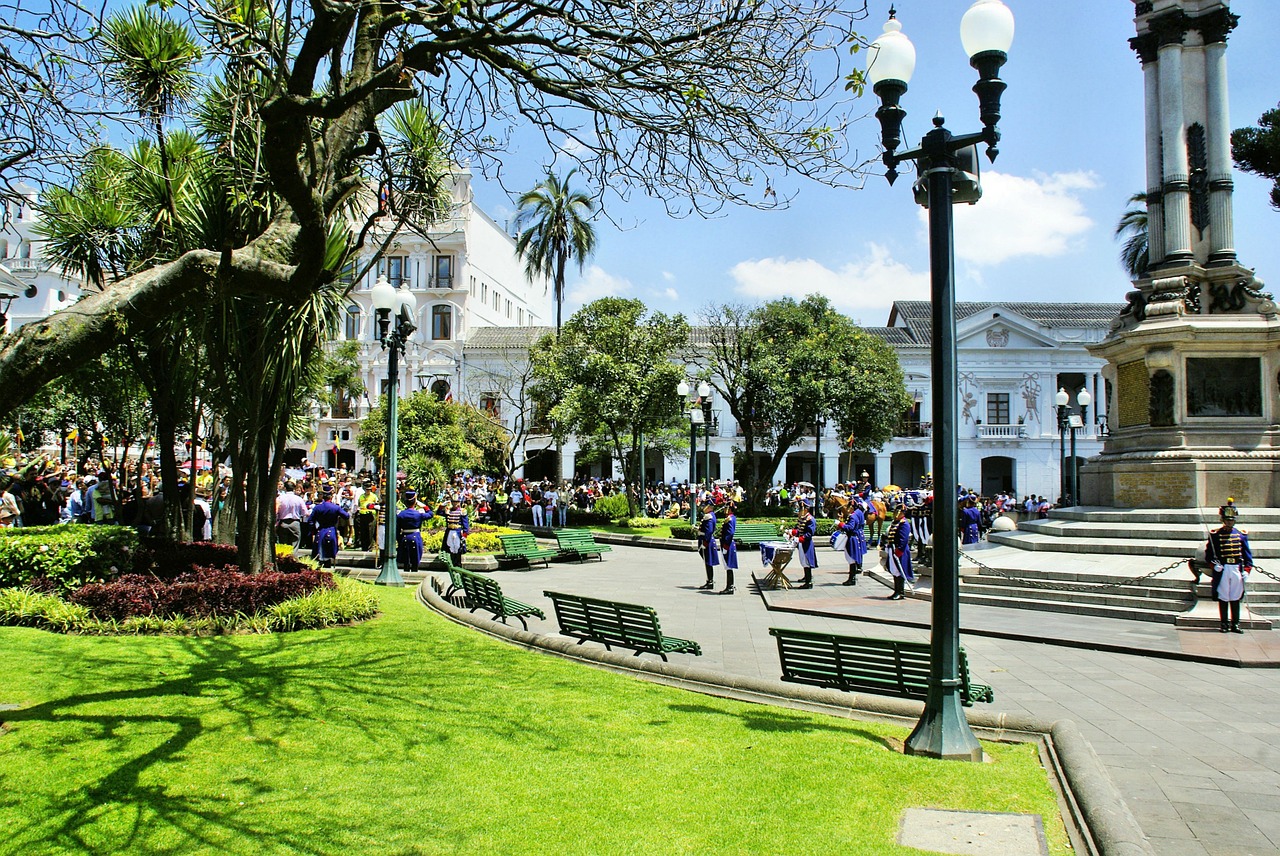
728, 531
457, 526
970, 520
1228, 552
897, 541
853, 525
806, 528
707, 545
409, 522
366, 515
324, 516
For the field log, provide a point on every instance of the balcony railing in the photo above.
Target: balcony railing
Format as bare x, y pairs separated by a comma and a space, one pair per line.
442, 282
16, 265
1001, 432
907, 428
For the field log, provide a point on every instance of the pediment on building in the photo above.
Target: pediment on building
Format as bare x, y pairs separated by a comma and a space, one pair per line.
1000, 328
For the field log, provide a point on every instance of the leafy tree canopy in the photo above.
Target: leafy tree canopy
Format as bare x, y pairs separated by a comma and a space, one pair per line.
1257, 150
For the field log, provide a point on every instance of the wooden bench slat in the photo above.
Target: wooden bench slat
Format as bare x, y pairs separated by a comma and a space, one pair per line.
881, 666
612, 623
485, 593
579, 544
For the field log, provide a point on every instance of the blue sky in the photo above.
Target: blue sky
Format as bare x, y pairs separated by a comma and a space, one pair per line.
1071, 155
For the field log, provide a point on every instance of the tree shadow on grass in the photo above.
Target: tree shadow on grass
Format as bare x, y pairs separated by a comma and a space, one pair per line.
772, 721
206, 689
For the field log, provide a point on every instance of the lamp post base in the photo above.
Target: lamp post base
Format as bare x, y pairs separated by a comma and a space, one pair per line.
390, 576
943, 731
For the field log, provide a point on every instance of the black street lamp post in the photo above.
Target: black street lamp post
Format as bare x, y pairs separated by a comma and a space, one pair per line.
386, 300
986, 32
699, 414
1062, 399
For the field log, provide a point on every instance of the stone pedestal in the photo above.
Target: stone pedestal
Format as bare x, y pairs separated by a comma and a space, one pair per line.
1193, 396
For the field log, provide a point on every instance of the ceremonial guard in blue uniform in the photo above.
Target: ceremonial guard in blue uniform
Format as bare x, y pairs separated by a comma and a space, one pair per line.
457, 526
855, 544
409, 530
1232, 560
970, 521
728, 530
707, 546
324, 517
806, 528
898, 543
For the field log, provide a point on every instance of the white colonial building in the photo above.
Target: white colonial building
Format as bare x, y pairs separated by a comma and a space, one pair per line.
466, 276
29, 288
1013, 358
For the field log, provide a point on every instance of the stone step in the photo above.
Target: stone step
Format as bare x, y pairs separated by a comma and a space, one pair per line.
1115, 546
1258, 533
1132, 597
1248, 515
1070, 608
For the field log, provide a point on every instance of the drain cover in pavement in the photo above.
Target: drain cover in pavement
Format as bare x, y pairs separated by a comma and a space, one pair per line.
973, 833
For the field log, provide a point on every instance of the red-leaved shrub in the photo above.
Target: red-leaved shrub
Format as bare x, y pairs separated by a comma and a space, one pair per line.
169, 560
200, 592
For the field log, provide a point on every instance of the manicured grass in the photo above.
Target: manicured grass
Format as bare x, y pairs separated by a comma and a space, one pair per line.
663, 531
408, 734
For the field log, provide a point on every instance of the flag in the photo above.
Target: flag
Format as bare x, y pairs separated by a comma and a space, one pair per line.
850, 440
314, 441
382, 450
337, 444
73, 435
334, 448
20, 436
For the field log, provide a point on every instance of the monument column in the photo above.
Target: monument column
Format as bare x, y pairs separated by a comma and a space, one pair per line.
1146, 49
1214, 28
1170, 30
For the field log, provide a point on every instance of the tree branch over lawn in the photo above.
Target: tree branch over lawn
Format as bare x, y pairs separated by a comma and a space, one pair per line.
697, 103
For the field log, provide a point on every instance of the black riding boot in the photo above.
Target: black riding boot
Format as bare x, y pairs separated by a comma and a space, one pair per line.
1235, 617
1223, 624
807, 583
854, 570
710, 583
728, 583
899, 588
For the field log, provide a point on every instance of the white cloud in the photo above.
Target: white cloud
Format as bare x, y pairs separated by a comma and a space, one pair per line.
595, 283
864, 289
668, 276
670, 294
1039, 216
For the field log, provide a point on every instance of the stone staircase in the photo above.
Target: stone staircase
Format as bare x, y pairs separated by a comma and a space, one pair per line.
1175, 532
1057, 565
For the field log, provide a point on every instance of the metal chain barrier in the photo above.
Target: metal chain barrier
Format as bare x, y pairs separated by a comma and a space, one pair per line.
1266, 573
1087, 587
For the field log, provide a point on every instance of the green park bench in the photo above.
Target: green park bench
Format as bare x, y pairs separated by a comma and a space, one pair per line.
610, 623
877, 666
579, 544
755, 534
485, 593
522, 547
444, 562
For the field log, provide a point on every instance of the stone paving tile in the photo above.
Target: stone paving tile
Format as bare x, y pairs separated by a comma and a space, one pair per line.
1183, 770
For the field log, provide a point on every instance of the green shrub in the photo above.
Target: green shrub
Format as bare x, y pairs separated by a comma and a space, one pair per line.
69, 555
614, 506
644, 522
683, 530
349, 601
483, 539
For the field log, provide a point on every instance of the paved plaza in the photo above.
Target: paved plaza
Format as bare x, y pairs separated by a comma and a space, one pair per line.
1194, 747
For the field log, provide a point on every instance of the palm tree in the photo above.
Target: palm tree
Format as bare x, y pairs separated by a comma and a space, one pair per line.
555, 227
1135, 255
150, 62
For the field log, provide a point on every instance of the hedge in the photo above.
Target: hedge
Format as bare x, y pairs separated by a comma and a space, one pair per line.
347, 602
68, 555
200, 593
483, 539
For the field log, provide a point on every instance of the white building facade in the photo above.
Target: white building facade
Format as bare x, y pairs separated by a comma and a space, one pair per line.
1013, 359
466, 276
30, 287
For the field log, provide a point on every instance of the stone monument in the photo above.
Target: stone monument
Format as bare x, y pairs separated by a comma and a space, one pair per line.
1193, 359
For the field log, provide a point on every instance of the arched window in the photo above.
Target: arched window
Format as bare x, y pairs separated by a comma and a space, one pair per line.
353, 322
440, 389
441, 323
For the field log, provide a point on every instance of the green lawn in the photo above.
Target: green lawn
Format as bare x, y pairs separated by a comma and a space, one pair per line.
663, 531
409, 734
